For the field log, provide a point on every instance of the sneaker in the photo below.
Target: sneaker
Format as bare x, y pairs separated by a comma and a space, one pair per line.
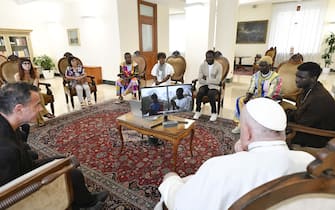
89, 103
82, 104
197, 115
213, 118
98, 206
101, 196
236, 130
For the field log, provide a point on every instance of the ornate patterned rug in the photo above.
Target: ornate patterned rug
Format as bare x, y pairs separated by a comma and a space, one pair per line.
133, 176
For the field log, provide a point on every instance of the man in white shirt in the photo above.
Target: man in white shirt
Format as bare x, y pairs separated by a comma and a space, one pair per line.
210, 75
181, 102
262, 155
162, 71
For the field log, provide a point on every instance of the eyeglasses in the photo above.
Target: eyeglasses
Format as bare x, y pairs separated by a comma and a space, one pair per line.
26, 63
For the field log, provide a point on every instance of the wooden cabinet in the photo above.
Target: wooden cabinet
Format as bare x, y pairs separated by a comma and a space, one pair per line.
94, 71
15, 41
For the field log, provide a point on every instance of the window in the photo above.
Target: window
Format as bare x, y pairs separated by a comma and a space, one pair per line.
297, 29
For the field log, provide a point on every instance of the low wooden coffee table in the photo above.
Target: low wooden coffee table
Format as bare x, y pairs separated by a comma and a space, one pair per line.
174, 134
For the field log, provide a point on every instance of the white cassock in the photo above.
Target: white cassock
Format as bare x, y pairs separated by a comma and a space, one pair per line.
220, 181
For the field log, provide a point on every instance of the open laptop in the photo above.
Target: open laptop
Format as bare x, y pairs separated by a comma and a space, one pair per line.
135, 108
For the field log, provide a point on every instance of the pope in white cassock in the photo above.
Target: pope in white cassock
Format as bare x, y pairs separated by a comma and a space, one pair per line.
262, 155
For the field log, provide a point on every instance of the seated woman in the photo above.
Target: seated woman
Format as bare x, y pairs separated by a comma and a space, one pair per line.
127, 83
28, 74
76, 73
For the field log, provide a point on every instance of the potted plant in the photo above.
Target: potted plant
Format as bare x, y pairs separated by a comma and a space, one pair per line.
329, 51
47, 65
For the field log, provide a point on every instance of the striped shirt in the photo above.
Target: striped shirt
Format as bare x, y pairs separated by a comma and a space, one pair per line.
265, 86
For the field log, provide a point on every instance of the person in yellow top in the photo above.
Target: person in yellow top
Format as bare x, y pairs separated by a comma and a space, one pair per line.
28, 74
264, 83
127, 82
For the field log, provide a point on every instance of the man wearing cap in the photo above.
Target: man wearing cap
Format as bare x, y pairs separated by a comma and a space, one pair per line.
264, 83
262, 155
315, 106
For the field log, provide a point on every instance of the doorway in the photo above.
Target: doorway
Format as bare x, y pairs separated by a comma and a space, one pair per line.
147, 25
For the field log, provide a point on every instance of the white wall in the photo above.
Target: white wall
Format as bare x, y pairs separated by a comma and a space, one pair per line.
98, 25
128, 23
197, 27
163, 28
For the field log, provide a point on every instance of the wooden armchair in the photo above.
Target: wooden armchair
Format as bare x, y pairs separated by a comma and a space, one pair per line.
287, 71
272, 52
179, 65
219, 98
2, 59
10, 68
47, 187
142, 66
313, 189
68, 89
293, 128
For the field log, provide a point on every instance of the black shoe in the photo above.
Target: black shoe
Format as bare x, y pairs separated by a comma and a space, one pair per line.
153, 141
97, 206
101, 196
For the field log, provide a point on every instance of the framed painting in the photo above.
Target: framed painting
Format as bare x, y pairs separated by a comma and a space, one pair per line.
251, 32
73, 36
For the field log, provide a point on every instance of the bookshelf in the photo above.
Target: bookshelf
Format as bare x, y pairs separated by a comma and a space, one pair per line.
15, 41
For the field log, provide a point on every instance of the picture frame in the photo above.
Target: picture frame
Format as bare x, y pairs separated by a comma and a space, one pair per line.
251, 32
73, 36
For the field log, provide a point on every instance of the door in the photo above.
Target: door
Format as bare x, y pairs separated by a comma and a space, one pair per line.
147, 24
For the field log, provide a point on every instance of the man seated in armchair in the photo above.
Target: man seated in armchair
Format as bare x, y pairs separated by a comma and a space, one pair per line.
128, 81
264, 83
262, 155
315, 106
209, 77
19, 104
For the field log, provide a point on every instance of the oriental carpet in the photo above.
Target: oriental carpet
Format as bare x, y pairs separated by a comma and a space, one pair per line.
132, 177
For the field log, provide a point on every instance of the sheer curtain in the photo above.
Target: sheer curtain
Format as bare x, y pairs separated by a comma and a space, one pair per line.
298, 31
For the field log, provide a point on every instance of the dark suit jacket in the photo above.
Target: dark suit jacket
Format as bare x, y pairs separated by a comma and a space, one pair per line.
14, 158
316, 110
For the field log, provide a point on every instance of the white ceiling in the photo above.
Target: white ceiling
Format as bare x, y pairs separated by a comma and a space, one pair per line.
179, 4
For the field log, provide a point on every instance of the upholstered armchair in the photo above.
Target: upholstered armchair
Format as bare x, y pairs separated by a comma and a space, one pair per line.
10, 68
179, 65
272, 52
219, 98
70, 91
312, 189
47, 187
287, 71
2, 59
142, 66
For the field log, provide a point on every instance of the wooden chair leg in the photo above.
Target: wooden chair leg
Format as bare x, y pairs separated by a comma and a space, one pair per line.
66, 98
72, 102
95, 96
52, 108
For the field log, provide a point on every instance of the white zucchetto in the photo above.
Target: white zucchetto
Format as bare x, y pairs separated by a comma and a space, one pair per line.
267, 113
